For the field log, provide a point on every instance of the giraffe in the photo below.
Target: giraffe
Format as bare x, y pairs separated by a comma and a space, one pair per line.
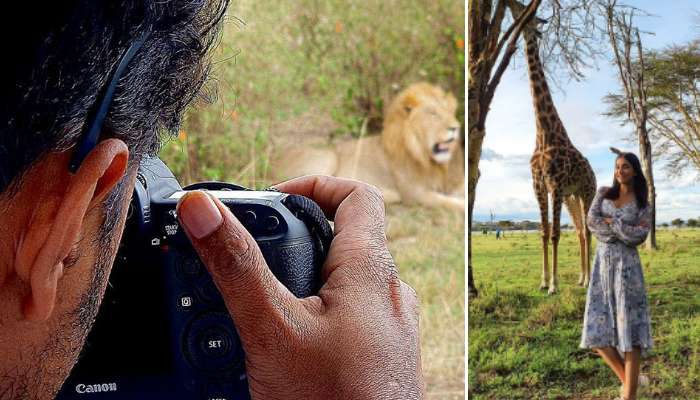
558, 168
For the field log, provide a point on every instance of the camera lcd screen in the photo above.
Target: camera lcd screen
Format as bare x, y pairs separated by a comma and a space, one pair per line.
130, 334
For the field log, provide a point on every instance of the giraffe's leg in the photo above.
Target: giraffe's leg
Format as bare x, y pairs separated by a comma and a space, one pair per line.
542, 200
582, 281
556, 217
585, 206
574, 206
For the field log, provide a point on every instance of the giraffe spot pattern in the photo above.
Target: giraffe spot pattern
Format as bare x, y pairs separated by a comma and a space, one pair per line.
557, 167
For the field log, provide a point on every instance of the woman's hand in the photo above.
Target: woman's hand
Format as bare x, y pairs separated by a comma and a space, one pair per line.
608, 221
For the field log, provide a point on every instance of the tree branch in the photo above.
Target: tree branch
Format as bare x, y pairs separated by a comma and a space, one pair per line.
520, 22
495, 27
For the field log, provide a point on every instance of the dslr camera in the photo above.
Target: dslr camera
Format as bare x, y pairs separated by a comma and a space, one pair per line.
163, 331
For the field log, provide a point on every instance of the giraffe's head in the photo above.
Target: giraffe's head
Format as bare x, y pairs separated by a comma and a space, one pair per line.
532, 27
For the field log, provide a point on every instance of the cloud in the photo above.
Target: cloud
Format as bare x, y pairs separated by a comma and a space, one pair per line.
686, 181
678, 204
505, 188
505, 185
488, 155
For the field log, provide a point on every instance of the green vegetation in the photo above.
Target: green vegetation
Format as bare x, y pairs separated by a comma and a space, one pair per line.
523, 344
285, 71
670, 87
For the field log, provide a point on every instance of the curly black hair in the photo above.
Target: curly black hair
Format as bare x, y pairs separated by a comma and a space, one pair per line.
57, 56
63, 55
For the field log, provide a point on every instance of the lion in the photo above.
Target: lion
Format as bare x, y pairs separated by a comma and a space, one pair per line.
417, 159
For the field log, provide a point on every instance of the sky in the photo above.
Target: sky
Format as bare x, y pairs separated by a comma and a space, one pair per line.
505, 186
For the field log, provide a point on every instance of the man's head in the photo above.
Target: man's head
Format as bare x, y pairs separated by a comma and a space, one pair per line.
60, 230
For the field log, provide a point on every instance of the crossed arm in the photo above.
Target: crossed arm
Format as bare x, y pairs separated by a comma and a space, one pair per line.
610, 228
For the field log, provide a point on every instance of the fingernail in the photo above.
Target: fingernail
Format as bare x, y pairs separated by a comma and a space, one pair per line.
199, 214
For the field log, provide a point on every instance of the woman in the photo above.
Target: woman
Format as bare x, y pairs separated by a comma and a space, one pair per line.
616, 322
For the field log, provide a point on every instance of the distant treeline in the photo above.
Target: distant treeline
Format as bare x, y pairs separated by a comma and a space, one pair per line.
526, 225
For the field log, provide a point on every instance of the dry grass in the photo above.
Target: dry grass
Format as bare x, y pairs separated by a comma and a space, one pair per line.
428, 246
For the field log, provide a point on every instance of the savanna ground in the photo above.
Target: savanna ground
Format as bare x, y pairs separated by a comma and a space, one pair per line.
285, 72
523, 344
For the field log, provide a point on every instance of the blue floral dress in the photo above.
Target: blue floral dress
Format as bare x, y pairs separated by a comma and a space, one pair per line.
617, 310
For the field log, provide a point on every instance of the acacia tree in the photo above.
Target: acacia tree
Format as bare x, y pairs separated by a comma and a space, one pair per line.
623, 36
487, 44
672, 85
570, 40
674, 92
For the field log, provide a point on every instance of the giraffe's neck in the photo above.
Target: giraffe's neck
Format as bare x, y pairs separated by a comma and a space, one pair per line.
549, 126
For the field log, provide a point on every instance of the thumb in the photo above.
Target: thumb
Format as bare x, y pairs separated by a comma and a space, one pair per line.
251, 292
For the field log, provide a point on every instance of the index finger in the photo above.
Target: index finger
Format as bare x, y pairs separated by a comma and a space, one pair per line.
349, 203
328, 192
358, 211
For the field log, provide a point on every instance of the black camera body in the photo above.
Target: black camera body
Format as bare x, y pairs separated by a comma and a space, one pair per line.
163, 331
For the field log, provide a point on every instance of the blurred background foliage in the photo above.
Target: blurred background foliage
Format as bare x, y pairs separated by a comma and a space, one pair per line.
329, 66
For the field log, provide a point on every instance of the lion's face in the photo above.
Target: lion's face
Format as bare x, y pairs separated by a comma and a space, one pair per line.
434, 124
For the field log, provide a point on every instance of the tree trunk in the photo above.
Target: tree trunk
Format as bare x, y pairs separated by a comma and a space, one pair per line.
645, 156
635, 93
479, 14
484, 50
475, 135
476, 138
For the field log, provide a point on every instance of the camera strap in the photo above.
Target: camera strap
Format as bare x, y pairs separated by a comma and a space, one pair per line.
312, 216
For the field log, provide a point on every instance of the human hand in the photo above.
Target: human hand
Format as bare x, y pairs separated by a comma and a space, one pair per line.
608, 221
357, 339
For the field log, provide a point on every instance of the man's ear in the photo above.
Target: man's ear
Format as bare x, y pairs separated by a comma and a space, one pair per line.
59, 228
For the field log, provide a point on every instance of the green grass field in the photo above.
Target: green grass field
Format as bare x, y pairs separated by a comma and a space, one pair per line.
523, 344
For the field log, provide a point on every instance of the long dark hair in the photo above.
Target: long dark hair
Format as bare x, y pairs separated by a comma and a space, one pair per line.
639, 184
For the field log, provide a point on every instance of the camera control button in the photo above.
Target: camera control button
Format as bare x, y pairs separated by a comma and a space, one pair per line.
210, 293
249, 218
271, 223
226, 390
215, 342
211, 344
185, 302
188, 267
